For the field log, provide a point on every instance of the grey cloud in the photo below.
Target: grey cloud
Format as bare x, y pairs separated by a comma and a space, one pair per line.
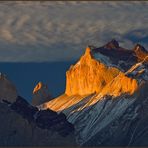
54, 31
7, 35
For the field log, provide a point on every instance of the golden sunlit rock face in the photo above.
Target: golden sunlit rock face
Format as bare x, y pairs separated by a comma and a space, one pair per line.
90, 77
121, 84
38, 87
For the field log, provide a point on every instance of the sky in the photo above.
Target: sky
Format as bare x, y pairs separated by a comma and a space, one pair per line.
40, 40
53, 31
25, 76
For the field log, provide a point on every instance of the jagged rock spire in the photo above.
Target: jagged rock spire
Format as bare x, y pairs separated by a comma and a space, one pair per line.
88, 51
113, 44
139, 47
140, 52
38, 87
40, 94
87, 55
88, 75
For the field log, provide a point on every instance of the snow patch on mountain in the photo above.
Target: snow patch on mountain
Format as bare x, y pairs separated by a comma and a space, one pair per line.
94, 118
104, 59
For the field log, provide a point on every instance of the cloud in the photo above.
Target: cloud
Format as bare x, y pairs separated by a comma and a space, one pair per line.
7, 35
60, 31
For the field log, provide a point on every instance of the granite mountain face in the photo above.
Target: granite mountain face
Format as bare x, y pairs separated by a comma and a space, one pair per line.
103, 93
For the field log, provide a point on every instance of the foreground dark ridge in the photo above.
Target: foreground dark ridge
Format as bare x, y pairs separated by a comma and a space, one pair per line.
25, 125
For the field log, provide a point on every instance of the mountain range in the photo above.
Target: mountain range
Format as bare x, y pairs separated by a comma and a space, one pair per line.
104, 103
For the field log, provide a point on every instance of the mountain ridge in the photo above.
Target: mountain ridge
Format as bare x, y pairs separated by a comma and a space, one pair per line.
93, 112
89, 76
104, 100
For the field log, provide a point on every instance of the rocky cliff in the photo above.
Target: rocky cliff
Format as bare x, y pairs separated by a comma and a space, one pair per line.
40, 94
141, 53
90, 76
105, 97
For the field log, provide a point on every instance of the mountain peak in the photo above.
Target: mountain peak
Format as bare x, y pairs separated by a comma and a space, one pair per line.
38, 87
88, 52
8, 90
141, 52
139, 47
113, 44
88, 75
86, 58
40, 94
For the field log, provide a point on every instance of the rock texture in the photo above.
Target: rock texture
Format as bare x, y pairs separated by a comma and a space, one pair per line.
7, 89
141, 53
24, 125
106, 97
120, 85
88, 75
113, 44
115, 55
40, 94
129, 128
